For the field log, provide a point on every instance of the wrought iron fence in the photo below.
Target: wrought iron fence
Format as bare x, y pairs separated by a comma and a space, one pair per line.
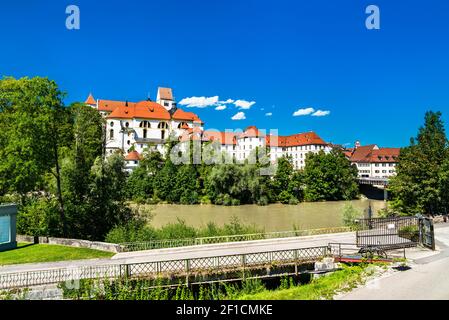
389, 233
158, 268
175, 243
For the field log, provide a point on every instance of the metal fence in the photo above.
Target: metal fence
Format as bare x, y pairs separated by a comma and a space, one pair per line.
174, 243
163, 268
389, 233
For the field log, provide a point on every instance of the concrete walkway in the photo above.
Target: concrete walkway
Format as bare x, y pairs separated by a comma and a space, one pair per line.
426, 280
203, 251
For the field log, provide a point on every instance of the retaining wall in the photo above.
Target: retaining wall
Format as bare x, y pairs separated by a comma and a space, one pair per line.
102, 246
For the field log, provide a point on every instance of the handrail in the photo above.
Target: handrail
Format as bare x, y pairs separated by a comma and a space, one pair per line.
174, 243
184, 267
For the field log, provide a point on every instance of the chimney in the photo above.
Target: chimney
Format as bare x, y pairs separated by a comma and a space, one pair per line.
357, 144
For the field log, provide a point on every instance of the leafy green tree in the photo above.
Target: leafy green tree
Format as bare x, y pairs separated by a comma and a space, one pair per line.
420, 183
140, 183
164, 182
282, 178
34, 126
329, 177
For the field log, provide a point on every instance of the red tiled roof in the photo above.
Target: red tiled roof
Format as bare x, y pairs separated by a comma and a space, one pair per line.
141, 110
90, 100
301, 139
189, 116
374, 154
386, 155
133, 156
252, 132
111, 105
225, 138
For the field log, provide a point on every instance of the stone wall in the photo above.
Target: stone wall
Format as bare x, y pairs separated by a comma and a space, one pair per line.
102, 246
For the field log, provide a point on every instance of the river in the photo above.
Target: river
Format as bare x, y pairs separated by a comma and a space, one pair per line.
275, 217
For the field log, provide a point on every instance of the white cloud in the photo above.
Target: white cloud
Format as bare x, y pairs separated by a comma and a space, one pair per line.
227, 101
199, 102
239, 116
243, 104
269, 114
219, 108
321, 113
303, 112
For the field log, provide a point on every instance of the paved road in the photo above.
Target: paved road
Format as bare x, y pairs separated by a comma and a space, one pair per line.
202, 251
426, 280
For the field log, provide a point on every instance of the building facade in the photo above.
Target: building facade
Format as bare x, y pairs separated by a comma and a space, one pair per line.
133, 127
372, 161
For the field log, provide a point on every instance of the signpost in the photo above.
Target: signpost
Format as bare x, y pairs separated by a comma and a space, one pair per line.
8, 215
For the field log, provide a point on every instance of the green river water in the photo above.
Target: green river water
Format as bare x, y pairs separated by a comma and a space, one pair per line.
275, 217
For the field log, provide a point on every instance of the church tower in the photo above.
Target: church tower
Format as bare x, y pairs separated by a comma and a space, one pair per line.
165, 98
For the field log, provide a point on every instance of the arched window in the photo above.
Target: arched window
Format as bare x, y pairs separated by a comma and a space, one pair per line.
145, 124
144, 133
182, 125
163, 126
127, 124
111, 134
111, 124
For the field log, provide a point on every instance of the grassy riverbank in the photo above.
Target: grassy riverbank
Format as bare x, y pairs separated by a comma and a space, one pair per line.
35, 253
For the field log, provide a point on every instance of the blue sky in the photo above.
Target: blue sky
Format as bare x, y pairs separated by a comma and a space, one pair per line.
282, 55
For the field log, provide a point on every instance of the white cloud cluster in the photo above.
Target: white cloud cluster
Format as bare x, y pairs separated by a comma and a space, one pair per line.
239, 116
204, 102
243, 104
312, 112
199, 102
269, 114
321, 113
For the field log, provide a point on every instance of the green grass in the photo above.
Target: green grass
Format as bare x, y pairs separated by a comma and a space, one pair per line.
29, 253
322, 288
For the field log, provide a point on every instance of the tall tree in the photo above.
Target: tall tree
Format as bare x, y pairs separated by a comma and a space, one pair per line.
34, 126
420, 174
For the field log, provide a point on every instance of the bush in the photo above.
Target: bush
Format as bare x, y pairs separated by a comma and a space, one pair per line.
205, 200
284, 197
134, 231
263, 201
39, 217
350, 215
293, 201
235, 202
227, 200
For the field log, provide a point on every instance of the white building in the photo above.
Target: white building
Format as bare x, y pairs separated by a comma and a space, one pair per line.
374, 162
132, 127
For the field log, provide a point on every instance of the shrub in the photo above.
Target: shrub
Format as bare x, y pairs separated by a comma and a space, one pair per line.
284, 197
350, 215
263, 201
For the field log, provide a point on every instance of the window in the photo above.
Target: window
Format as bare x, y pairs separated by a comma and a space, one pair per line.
128, 142
144, 133
111, 124
111, 134
166, 104
145, 124
127, 124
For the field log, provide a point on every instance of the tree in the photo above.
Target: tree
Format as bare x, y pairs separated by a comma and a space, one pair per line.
34, 126
420, 183
329, 177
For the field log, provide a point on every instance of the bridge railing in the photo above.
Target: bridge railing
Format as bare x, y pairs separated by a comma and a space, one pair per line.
175, 243
183, 267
